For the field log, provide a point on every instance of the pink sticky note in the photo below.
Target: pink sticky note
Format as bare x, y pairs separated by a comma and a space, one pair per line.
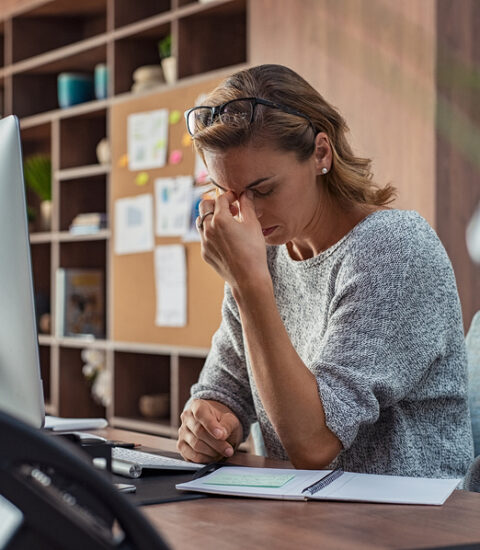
176, 157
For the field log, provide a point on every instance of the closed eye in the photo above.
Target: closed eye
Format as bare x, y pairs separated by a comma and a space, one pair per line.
262, 193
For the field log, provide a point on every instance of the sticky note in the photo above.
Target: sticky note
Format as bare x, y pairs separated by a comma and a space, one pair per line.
175, 116
250, 480
176, 157
142, 178
123, 161
186, 139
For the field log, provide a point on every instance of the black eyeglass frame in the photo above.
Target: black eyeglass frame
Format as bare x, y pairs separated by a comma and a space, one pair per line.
218, 110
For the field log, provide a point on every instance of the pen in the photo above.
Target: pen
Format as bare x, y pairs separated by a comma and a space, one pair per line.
209, 468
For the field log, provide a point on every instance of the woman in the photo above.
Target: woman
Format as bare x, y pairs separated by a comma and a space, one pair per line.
341, 331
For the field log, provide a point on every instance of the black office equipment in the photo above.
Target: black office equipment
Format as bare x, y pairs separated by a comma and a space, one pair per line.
65, 503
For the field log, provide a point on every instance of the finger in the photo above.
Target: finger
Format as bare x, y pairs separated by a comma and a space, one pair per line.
205, 415
247, 206
189, 454
206, 206
219, 446
198, 445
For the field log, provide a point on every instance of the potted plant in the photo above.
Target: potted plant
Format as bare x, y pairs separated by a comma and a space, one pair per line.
37, 170
169, 63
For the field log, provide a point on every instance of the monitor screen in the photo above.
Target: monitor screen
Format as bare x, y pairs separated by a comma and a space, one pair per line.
21, 393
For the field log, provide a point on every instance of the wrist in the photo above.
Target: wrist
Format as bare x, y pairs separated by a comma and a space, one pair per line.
251, 290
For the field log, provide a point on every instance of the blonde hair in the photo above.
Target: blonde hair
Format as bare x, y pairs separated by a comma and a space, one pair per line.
349, 179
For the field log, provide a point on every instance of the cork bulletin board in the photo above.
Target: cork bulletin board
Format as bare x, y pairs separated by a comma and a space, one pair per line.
133, 275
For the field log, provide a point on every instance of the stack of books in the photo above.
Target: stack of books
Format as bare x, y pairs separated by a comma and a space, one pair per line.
90, 222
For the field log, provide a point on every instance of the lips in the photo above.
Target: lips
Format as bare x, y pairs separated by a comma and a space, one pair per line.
269, 230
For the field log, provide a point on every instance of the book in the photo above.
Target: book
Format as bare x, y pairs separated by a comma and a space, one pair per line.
273, 483
80, 303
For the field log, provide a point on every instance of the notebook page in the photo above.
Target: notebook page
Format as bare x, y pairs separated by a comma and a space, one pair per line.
388, 489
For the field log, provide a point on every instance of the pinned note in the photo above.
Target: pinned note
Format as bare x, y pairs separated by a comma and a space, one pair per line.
173, 203
176, 157
142, 178
134, 224
175, 116
147, 139
186, 139
171, 285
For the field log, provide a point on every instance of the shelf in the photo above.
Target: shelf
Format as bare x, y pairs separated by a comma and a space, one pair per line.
83, 172
79, 57
83, 109
159, 427
56, 24
46, 340
212, 38
129, 11
41, 237
65, 236
79, 342
135, 347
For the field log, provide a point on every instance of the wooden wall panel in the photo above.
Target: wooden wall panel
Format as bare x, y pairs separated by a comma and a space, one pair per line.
375, 61
458, 139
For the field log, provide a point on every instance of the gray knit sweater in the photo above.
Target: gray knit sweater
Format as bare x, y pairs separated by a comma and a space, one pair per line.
377, 319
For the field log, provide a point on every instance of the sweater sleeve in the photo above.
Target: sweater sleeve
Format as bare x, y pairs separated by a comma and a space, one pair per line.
224, 376
389, 328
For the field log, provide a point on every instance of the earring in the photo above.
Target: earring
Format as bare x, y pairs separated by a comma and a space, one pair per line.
324, 171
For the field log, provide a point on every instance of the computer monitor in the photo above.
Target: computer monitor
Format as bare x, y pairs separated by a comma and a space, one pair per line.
21, 393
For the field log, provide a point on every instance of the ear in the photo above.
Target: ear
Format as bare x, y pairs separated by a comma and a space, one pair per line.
323, 154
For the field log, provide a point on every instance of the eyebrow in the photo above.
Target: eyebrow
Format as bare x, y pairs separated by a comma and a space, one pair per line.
249, 186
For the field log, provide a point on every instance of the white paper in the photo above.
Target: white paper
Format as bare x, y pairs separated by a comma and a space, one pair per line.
67, 424
171, 285
147, 135
134, 224
173, 201
192, 235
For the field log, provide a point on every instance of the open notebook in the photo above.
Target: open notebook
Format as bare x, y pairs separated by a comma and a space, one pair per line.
322, 485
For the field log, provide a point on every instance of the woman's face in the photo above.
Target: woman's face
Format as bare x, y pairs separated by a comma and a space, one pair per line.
286, 195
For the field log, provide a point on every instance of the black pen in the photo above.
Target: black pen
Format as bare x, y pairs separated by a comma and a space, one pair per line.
209, 468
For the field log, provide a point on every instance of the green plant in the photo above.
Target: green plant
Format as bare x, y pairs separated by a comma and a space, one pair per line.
37, 170
165, 47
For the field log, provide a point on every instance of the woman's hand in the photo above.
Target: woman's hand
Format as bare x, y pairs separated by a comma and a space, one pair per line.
232, 239
209, 431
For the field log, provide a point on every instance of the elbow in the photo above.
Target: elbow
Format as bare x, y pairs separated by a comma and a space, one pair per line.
316, 457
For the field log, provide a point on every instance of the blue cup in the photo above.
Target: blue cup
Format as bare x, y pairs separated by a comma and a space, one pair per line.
74, 88
101, 81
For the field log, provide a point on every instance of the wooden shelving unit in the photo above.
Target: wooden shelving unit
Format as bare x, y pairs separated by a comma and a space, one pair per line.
36, 44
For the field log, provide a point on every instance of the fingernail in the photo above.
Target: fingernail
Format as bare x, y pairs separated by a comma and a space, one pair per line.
218, 432
229, 451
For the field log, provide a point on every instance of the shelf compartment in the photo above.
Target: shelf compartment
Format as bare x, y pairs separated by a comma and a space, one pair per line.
74, 389
56, 24
136, 51
79, 137
79, 196
213, 38
41, 258
130, 11
44, 354
35, 89
136, 375
188, 372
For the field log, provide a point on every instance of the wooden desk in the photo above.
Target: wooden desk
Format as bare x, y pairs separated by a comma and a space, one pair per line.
234, 523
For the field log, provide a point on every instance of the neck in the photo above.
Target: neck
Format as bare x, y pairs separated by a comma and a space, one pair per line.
330, 223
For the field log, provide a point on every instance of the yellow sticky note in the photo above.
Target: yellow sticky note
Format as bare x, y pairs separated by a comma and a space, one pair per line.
142, 178
186, 139
175, 116
123, 161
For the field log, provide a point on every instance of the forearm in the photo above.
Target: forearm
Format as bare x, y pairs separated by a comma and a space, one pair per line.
286, 386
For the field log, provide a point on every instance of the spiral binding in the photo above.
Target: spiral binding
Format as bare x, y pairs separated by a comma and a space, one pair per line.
322, 483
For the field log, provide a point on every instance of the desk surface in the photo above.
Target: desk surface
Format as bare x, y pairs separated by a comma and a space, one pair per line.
233, 523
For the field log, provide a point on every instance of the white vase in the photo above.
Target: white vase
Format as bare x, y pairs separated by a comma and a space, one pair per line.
45, 220
169, 66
